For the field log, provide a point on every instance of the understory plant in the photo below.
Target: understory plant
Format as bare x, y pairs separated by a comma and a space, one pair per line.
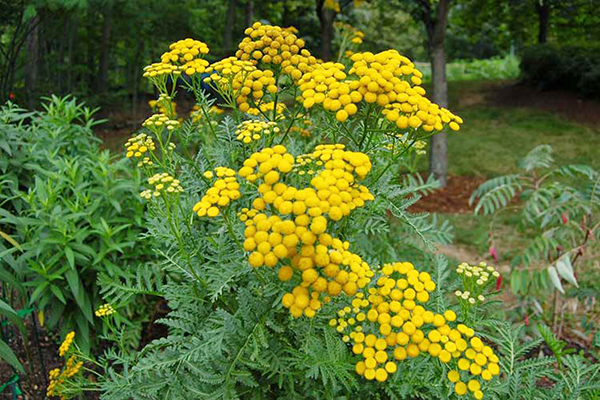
287, 256
71, 213
559, 210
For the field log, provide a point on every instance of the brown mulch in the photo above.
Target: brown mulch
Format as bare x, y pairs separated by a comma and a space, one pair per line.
33, 382
454, 198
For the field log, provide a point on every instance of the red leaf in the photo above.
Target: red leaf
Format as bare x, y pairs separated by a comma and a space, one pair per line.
565, 218
526, 320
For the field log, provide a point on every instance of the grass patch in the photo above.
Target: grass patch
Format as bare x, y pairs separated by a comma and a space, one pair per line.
494, 139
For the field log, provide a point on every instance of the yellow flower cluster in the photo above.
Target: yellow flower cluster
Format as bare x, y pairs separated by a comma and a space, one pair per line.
66, 344
104, 310
184, 51
160, 120
275, 45
380, 79
188, 55
58, 378
223, 190
183, 55
290, 223
139, 145
160, 69
391, 323
326, 85
161, 182
241, 81
248, 131
267, 108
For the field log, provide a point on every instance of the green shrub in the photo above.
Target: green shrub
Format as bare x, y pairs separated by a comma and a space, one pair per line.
487, 69
74, 211
570, 66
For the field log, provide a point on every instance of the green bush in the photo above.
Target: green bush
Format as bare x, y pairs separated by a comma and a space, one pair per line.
570, 66
466, 70
73, 211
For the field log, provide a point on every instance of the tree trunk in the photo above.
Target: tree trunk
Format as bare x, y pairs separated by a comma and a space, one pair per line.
543, 10
438, 154
249, 17
326, 17
228, 34
31, 67
102, 79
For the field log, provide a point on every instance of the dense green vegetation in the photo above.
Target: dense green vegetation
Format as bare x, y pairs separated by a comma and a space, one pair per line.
250, 227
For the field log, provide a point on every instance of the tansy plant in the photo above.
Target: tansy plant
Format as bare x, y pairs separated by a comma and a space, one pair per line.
276, 252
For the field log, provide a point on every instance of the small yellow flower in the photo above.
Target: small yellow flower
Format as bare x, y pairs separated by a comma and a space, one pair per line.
66, 344
104, 310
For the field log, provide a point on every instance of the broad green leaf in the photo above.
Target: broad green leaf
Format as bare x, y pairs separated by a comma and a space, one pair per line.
7, 355
555, 279
58, 293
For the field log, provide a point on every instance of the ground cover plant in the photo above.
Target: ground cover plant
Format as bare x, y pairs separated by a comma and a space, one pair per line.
283, 272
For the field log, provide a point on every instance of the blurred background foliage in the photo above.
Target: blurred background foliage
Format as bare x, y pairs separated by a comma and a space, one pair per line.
95, 49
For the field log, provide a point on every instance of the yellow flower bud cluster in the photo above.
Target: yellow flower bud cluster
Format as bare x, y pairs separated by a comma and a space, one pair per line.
381, 79
104, 310
58, 378
160, 120
161, 182
267, 108
159, 105
391, 324
241, 81
326, 85
275, 45
249, 131
160, 69
188, 55
475, 279
384, 79
139, 145
183, 55
222, 191
290, 223
66, 344
184, 51
355, 35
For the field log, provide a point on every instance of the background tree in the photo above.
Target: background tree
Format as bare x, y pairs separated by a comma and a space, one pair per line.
434, 17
